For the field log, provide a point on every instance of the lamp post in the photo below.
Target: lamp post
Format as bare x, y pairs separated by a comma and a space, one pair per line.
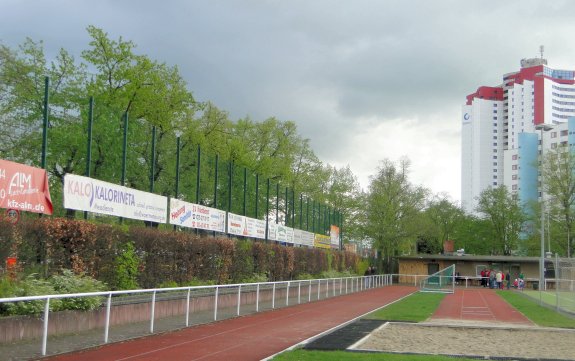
543, 128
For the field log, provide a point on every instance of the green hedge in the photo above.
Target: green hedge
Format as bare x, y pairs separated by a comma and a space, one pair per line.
124, 257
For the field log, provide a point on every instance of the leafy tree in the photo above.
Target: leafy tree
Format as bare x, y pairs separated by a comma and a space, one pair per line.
444, 215
506, 218
558, 170
393, 204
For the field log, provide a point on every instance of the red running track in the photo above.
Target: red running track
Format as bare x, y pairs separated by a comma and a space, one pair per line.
479, 304
253, 337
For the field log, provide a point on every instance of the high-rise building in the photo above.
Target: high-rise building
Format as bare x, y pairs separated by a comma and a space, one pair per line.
502, 128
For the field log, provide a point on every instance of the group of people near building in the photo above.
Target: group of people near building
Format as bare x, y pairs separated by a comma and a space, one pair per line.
495, 279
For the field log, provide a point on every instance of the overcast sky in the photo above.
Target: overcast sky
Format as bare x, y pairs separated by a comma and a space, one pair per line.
363, 80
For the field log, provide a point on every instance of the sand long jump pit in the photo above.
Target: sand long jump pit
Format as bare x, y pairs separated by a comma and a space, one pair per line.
477, 340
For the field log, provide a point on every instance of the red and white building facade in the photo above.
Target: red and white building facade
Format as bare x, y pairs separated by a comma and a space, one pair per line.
502, 128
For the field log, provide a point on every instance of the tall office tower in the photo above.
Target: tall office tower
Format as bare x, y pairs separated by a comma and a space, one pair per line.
502, 128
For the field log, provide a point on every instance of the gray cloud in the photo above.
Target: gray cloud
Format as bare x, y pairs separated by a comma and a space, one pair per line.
364, 80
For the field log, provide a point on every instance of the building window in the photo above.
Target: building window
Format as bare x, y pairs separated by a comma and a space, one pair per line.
494, 177
494, 111
494, 183
553, 145
494, 157
494, 137
495, 131
514, 167
514, 177
564, 143
495, 118
514, 157
495, 144
553, 134
514, 187
564, 133
494, 150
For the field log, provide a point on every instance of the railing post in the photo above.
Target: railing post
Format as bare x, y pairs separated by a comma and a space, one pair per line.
333, 287
340, 285
107, 325
188, 308
153, 312
258, 298
346, 285
287, 294
239, 298
45, 332
318, 288
299, 292
327, 288
309, 292
274, 296
216, 304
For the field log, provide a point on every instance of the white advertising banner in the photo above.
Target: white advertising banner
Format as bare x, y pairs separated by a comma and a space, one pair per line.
297, 236
307, 238
273, 231
237, 225
192, 215
256, 228
284, 234
289, 235
91, 195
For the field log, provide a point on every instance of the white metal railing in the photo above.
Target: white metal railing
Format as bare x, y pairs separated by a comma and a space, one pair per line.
294, 290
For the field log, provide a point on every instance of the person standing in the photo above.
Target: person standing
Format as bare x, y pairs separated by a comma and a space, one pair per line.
508, 279
498, 279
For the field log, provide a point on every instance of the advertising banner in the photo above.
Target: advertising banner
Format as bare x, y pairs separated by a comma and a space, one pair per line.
192, 215
281, 233
24, 188
272, 231
334, 234
322, 241
307, 238
237, 225
297, 236
91, 195
256, 228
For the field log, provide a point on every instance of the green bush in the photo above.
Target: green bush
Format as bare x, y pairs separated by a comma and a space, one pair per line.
30, 286
68, 282
126, 266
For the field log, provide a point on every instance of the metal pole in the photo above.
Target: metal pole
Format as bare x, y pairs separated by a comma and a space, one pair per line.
286, 209
230, 180
153, 168
153, 312
125, 149
267, 208
177, 167
188, 307
257, 194
45, 329
216, 304
245, 189
107, 325
198, 163
300, 211
89, 150
277, 202
45, 123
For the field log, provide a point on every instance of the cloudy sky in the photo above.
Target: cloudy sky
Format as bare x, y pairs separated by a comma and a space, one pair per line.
364, 80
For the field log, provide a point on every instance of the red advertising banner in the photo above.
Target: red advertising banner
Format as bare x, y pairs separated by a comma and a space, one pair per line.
24, 188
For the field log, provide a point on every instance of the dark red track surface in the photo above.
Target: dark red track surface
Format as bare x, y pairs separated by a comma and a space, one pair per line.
252, 337
478, 304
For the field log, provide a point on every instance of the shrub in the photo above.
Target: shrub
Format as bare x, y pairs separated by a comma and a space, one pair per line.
126, 266
68, 282
30, 286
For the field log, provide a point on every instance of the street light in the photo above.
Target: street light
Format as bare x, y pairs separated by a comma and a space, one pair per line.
543, 128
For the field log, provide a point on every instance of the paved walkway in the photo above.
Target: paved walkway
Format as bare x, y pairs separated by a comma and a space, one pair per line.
253, 337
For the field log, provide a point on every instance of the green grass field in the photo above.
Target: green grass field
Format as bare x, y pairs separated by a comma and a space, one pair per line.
530, 307
302, 355
415, 308
419, 307
566, 299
